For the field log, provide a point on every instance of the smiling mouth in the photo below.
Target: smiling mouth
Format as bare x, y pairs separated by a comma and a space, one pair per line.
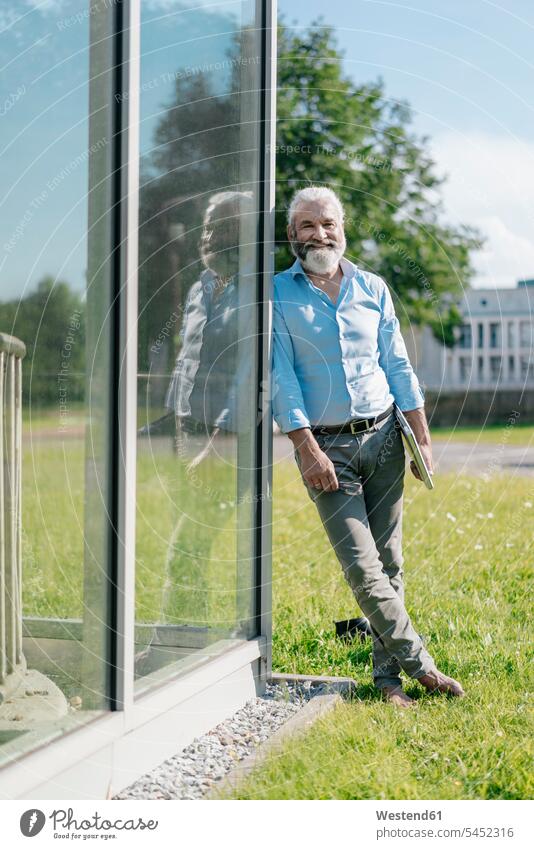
314, 246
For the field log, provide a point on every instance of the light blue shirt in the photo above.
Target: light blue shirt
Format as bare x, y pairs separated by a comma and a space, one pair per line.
203, 386
335, 362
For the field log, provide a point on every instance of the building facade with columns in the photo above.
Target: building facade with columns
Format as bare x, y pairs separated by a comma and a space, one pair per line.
494, 347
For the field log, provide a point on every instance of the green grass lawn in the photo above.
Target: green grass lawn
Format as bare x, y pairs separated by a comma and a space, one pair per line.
468, 569
189, 533
508, 434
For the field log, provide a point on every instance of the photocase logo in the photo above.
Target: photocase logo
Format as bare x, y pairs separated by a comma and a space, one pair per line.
32, 822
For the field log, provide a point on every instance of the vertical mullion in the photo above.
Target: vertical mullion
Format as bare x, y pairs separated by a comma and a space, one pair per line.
18, 503
126, 351
9, 526
267, 15
3, 664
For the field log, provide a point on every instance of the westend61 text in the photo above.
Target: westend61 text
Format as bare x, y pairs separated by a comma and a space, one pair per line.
408, 815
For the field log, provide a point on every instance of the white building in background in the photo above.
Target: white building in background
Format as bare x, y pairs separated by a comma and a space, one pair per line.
494, 346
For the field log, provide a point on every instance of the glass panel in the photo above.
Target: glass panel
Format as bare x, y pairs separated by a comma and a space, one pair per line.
465, 369
527, 369
495, 335
55, 297
495, 368
465, 336
525, 334
200, 110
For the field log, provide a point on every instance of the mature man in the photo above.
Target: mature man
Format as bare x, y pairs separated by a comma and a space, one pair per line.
339, 365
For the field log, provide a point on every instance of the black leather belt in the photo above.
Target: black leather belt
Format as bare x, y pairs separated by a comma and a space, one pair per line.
354, 426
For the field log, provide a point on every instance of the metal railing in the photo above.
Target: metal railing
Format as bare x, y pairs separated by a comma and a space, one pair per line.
12, 662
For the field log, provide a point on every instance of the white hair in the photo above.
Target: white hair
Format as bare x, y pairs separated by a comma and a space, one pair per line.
239, 202
313, 193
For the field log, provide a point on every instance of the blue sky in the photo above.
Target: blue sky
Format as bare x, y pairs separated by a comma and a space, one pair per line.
467, 73
463, 65
467, 69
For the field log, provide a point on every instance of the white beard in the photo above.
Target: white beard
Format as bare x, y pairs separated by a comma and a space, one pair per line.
323, 260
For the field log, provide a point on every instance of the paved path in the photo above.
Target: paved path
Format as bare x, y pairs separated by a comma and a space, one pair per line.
461, 457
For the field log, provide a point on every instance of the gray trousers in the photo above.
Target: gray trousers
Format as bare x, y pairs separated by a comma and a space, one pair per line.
363, 520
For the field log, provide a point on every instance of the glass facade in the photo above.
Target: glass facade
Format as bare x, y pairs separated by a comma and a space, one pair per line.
56, 296
108, 605
197, 358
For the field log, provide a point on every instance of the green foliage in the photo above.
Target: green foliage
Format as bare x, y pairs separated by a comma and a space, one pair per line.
50, 321
356, 140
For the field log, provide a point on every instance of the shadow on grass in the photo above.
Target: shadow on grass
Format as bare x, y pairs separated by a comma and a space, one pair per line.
369, 693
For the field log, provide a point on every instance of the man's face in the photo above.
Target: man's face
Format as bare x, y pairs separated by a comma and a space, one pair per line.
219, 248
316, 236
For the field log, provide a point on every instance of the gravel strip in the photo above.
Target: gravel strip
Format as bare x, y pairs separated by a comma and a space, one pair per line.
192, 773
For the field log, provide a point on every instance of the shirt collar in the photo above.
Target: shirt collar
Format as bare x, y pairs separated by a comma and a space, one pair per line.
348, 268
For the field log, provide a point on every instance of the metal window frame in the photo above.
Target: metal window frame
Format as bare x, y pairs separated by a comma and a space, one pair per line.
110, 739
127, 123
264, 434
127, 37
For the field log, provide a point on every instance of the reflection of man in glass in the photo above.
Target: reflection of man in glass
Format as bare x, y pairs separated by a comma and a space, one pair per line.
202, 392
200, 586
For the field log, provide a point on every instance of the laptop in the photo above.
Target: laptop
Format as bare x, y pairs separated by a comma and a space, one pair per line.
413, 448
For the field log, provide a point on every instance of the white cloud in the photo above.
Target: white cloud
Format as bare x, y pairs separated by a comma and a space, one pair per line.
491, 186
507, 256
45, 5
7, 18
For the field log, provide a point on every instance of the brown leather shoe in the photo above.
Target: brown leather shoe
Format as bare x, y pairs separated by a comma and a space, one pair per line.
435, 681
397, 696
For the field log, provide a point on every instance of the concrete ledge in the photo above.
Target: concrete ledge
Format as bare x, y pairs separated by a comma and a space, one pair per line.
331, 693
345, 687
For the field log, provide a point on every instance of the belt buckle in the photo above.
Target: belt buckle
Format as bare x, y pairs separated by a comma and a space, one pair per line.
368, 425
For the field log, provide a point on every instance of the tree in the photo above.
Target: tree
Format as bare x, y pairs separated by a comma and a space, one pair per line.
51, 323
352, 138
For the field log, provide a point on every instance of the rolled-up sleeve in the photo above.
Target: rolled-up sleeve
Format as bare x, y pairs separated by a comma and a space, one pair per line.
190, 336
287, 403
393, 357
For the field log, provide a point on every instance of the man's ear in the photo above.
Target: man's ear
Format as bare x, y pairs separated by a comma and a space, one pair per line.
290, 233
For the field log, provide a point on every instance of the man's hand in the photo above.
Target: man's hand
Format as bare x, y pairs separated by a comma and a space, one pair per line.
418, 423
426, 451
316, 467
